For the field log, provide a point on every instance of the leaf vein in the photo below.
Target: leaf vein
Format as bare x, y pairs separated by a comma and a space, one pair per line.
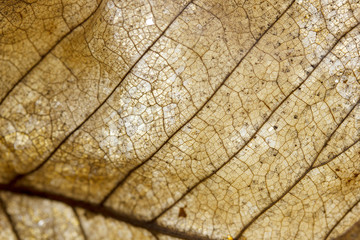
299, 179
13, 228
123, 180
20, 176
47, 53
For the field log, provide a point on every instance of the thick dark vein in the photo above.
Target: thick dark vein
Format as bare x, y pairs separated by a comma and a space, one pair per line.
101, 210
300, 178
339, 221
255, 133
122, 181
3, 206
20, 176
48, 52
80, 224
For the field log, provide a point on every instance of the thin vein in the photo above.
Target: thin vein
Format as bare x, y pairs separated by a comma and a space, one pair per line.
337, 155
20, 176
300, 178
155, 236
231, 158
123, 180
47, 53
3, 206
82, 230
151, 226
101, 210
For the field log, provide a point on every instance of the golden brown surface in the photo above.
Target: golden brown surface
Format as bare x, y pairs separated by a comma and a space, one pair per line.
185, 119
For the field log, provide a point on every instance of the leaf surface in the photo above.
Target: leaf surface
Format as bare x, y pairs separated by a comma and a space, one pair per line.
179, 119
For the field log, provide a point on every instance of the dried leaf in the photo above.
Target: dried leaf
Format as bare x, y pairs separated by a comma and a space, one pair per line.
190, 119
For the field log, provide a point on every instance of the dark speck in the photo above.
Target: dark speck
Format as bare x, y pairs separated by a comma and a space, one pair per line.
182, 212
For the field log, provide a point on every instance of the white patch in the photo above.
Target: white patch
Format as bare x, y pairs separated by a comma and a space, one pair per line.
169, 113
315, 171
251, 208
19, 109
271, 142
57, 104
335, 68
134, 125
180, 70
171, 79
138, 109
22, 141
118, 16
133, 91
144, 86
8, 128
41, 223
312, 36
113, 130
348, 90
112, 142
117, 37
243, 132
110, 5
149, 21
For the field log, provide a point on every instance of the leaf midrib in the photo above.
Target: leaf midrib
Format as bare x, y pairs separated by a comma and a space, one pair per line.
101, 210
108, 212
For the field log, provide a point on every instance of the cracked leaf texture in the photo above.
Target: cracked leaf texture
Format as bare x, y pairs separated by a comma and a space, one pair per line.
179, 119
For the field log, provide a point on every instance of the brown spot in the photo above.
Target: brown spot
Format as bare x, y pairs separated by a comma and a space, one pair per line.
182, 212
